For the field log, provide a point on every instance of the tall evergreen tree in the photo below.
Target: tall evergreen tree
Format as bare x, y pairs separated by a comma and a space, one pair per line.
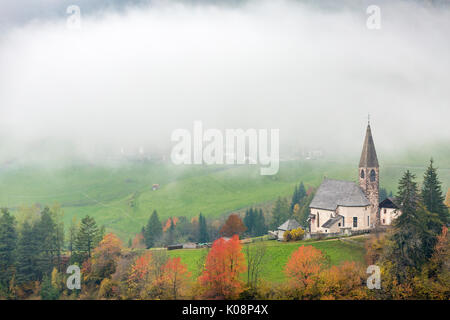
27, 252
432, 195
153, 230
87, 239
414, 233
8, 243
203, 235
260, 227
250, 221
280, 213
45, 232
301, 192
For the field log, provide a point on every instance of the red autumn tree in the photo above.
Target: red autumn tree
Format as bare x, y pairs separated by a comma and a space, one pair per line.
224, 265
232, 226
303, 269
174, 277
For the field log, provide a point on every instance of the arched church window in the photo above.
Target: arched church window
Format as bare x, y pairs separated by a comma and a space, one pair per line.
362, 174
373, 175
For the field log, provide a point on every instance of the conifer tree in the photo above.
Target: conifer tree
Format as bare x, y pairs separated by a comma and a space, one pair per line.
280, 213
414, 233
46, 235
87, 239
8, 243
203, 236
27, 251
153, 230
432, 195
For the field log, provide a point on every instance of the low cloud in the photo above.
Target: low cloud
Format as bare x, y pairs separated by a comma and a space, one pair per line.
129, 78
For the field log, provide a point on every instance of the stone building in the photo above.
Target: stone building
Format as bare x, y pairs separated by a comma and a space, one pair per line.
339, 205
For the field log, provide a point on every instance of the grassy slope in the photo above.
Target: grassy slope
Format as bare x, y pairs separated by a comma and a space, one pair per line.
278, 254
107, 192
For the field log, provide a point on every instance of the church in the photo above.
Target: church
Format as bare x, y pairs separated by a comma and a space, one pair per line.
341, 206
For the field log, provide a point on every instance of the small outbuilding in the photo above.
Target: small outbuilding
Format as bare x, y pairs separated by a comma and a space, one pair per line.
289, 225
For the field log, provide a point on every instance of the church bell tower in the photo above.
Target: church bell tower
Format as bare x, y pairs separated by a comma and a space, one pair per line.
369, 175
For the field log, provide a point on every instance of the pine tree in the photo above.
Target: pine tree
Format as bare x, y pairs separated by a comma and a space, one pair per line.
414, 233
432, 195
153, 230
260, 224
87, 239
73, 230
407, 197
8, 242
27, 251
203, 236
250, 221
45, 232
301, 192
280, 213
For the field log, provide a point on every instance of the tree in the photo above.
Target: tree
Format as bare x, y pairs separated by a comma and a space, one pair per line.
27, 251
224, 265
260, 227
8, 243
414, 234
232, 226
303, 269
153, 231
249, 221
280, 213
434, 281
432, 195
203, 236
255, 254
45, 231
298, 195
175, 277
73, 230
88, 237
104, 258
343, 282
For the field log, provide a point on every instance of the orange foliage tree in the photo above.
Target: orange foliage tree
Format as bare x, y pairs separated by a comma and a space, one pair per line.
224, 265
104, 259
303, 269
232, 226
174, 277
139, 274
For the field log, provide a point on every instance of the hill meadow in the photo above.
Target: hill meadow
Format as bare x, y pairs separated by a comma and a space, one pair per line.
119, 194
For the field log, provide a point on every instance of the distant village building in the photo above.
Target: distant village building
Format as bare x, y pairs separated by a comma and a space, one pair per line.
339, 206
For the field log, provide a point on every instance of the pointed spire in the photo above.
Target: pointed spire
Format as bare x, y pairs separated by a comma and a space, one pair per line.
369, 155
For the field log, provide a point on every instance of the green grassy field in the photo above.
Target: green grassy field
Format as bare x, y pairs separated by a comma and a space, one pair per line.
120, 196
278, 254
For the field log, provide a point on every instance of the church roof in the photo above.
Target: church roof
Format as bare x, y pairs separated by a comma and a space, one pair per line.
289, 225
332, 221
334, 193
369, 155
